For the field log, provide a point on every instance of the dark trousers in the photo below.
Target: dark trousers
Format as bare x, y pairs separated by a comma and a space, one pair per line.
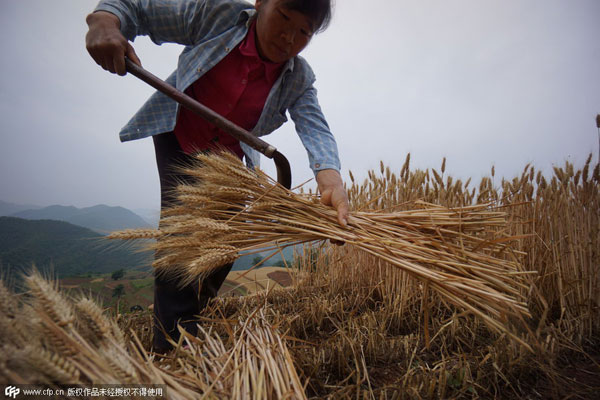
174, 305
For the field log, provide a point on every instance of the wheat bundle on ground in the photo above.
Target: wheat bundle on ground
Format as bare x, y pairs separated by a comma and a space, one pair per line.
460, 253
51, 338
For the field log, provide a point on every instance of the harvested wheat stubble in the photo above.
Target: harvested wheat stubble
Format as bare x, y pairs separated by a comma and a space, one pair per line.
460, 253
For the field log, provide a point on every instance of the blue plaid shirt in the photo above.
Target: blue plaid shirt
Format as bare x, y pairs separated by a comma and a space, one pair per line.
210, 29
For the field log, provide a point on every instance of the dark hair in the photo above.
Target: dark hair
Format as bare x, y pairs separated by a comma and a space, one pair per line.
318, 11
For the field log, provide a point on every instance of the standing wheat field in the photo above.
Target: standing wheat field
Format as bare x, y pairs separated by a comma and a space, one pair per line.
443, 289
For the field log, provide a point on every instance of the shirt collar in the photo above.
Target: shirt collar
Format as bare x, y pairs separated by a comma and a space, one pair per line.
246, 16
248, 49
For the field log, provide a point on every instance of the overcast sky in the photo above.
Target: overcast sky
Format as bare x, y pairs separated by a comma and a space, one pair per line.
482, 83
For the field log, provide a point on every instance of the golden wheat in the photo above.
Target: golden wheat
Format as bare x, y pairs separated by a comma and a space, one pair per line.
353, 325
456, 251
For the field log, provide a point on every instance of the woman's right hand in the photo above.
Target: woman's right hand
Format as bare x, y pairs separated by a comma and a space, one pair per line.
106, 44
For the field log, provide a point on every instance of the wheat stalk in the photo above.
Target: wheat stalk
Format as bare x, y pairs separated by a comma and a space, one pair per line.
460, 252
95, 326
257, 365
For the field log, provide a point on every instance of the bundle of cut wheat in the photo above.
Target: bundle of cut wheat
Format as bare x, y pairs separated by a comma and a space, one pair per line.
51, 339
460, 253
257, 365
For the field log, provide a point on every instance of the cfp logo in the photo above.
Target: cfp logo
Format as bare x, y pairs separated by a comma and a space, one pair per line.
12, 391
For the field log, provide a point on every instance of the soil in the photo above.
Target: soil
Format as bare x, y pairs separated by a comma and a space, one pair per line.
578, 378
281, 277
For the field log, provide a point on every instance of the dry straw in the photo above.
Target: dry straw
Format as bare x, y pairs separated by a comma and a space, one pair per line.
354, 326
53, 339
460, 253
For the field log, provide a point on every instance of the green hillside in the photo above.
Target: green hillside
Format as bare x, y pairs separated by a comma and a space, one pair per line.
67, 249
100, 218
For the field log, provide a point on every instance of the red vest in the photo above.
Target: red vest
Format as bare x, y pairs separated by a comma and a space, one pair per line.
236, 88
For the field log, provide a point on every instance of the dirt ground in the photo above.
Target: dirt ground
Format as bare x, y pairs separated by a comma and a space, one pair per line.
248, 282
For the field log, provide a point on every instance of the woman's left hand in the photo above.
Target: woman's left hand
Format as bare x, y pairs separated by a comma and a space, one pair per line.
333, 193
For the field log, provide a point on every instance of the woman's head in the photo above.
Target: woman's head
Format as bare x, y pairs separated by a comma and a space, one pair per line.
285, 27
318, 11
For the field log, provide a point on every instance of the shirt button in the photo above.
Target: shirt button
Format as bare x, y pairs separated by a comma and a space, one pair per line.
227, 49
317, 165
199, 70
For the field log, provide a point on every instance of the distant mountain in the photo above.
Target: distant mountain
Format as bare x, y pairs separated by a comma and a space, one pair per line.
11, 208
100, 218
152, 216
66, 248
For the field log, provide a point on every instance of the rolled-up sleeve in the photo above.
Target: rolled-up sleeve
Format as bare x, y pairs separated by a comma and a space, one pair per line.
162, 20
314, 132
